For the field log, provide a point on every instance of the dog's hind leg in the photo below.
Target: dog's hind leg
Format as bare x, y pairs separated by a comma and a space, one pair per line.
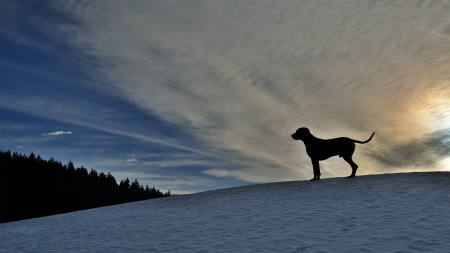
353, 164
316, 169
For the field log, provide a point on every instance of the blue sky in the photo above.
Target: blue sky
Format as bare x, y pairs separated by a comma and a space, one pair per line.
199, 95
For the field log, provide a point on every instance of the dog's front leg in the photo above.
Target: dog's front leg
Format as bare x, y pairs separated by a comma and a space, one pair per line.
316, 169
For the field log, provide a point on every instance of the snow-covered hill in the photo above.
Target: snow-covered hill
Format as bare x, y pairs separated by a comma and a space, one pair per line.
378, 213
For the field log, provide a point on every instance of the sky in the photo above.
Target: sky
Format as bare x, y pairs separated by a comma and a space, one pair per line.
199, 95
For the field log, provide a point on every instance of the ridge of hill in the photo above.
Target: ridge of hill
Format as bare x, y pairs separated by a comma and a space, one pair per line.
406, 212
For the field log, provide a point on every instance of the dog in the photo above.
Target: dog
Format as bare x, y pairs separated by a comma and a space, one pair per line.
319, 150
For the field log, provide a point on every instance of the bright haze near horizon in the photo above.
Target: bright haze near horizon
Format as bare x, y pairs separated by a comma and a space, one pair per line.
199, 95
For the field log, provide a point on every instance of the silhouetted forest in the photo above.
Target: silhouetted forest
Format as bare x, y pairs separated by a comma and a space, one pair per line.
31, 187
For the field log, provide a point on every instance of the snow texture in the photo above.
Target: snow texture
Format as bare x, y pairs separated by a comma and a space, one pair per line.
376, 213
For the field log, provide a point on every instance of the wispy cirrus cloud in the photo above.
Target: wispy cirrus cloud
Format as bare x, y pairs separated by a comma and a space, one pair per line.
242, 78
231, 80
57, 133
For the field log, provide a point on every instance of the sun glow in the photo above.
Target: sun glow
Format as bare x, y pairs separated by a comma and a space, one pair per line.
446, 164
437, 107
420, 111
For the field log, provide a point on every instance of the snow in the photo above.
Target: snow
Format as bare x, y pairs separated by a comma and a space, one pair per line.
377, 213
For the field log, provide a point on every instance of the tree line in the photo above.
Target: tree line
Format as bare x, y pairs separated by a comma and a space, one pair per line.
32, 187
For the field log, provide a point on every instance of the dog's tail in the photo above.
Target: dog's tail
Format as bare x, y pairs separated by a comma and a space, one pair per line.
362, 142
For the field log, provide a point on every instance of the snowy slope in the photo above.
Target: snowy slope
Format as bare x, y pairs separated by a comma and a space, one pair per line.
377, 213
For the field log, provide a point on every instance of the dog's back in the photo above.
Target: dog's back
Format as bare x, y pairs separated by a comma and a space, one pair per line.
324, 149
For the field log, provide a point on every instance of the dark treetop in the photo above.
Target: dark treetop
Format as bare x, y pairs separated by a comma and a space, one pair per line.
31, 187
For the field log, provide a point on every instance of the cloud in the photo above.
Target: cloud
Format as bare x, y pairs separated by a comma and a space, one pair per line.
57, 133
238, 174
241, 80
19, 147
424, 152
238, 78
177, 162
131, 160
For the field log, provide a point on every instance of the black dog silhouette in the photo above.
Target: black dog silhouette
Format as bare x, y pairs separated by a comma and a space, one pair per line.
320, 150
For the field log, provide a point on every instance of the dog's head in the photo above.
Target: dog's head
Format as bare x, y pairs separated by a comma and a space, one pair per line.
301, 133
